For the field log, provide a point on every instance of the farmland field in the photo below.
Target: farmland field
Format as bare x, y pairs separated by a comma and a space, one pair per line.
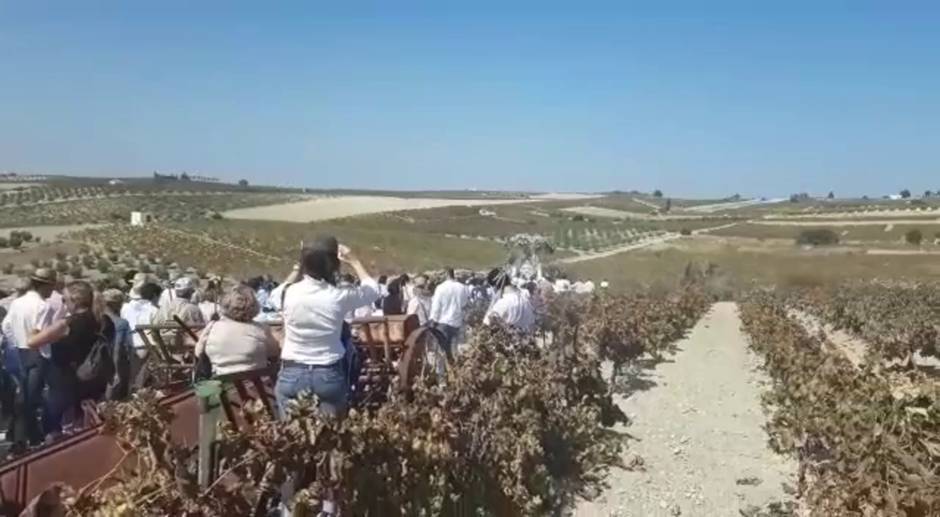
646, 260
319, 209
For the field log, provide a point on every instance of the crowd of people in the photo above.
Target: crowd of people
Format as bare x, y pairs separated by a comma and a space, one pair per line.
53, 332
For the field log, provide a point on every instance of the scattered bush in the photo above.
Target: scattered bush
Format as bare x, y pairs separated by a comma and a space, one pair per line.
15, 242
817, 237
685, 231
76, 271
7, 269
104, 266
914, 237
216, 215
4, 242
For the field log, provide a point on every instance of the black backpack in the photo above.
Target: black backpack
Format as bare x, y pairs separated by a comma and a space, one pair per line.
98, 365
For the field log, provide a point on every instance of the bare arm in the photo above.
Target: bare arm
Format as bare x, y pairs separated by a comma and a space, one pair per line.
49, 335
293, 276
347, 257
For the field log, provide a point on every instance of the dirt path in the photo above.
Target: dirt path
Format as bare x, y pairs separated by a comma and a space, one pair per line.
638, 245
859, 222
699, 431
621, 249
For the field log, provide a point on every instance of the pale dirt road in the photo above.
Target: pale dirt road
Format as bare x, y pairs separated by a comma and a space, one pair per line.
699, 432
322, 208
732, 205
638, 245
48, 233
599, 211
860, 222
620, 249
890, 213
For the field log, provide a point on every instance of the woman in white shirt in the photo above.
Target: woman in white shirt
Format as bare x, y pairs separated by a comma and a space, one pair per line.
313, 353
420, 302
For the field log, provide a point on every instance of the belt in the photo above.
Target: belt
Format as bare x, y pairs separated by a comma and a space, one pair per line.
287, 363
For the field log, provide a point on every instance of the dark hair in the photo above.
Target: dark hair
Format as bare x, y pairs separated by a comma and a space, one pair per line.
449, 272
500, 282
383, 279
320, 259
150, 291
349, 279
493, 276
254, 282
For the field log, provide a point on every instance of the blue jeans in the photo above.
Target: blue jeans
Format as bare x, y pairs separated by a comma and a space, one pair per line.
450, 334
328, 383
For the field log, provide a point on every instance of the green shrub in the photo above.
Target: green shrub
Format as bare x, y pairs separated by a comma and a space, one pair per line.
76, 271
104, 266
685, 231
914, 237
817, 237
4, 242
8, 268
15, 242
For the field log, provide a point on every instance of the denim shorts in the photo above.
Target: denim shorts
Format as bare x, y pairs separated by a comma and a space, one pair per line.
327, 382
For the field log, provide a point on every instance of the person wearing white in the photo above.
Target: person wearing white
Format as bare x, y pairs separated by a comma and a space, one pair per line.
313, 351
447, 307
314, 310
420, 302
513, 308
29, 314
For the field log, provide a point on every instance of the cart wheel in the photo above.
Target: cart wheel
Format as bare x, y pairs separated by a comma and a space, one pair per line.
424, 358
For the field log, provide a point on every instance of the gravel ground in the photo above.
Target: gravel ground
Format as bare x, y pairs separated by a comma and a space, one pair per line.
698, 429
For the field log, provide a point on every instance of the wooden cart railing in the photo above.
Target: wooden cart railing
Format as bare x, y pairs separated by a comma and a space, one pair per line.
83, 458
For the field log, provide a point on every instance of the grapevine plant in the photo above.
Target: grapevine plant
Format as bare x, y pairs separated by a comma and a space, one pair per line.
522, 426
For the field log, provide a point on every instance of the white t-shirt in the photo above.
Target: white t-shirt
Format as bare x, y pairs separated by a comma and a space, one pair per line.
138, 312
514, 309
28, 314
209, 309
421, 306
449, 301
313, 318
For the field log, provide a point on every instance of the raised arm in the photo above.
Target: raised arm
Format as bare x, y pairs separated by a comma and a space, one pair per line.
368, 290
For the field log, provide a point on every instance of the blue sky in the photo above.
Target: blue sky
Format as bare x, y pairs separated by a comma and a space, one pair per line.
696, 100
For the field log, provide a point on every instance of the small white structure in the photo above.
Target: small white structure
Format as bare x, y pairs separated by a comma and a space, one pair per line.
140, 218
115, 182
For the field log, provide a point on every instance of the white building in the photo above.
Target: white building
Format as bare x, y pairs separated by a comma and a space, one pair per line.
140, 218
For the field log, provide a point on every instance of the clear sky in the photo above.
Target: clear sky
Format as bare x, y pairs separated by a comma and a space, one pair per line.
693, 99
